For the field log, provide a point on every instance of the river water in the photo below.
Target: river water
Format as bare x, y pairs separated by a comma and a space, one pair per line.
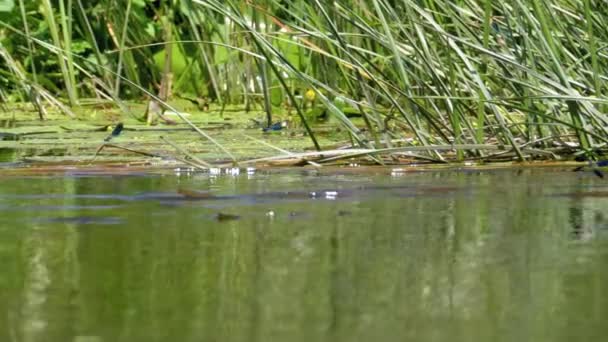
508, 255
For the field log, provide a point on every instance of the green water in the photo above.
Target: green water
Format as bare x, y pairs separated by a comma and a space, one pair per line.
443, 256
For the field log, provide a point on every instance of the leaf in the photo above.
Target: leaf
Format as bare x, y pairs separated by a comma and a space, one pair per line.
139, 3
7, 5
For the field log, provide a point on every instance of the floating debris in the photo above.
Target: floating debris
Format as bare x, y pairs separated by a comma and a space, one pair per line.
226, 217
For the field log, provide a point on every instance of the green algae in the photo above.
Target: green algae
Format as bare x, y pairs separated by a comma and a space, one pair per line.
61, 139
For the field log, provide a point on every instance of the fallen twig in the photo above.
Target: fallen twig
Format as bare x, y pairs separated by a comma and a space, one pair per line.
280, 149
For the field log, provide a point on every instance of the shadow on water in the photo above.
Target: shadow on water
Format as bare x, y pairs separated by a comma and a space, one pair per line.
484, 256
82, 220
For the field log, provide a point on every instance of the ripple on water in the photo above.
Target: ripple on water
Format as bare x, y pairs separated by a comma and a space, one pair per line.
82, 220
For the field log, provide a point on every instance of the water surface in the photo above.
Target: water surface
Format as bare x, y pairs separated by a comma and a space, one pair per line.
301, 256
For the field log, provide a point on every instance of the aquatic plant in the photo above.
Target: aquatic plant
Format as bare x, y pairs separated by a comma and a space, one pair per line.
525, 75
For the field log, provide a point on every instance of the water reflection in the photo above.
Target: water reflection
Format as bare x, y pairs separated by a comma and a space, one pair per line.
433, 256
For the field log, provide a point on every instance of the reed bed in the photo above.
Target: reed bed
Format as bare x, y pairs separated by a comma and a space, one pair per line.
522, 75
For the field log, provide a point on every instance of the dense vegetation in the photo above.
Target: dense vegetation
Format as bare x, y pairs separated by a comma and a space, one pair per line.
528, 75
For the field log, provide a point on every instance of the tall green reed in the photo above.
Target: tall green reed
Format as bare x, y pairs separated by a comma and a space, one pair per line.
430, 72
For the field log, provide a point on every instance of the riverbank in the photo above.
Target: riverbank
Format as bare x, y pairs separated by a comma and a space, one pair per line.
228, 138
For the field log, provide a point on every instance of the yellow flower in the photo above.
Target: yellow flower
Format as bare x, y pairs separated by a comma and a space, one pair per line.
310, 95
